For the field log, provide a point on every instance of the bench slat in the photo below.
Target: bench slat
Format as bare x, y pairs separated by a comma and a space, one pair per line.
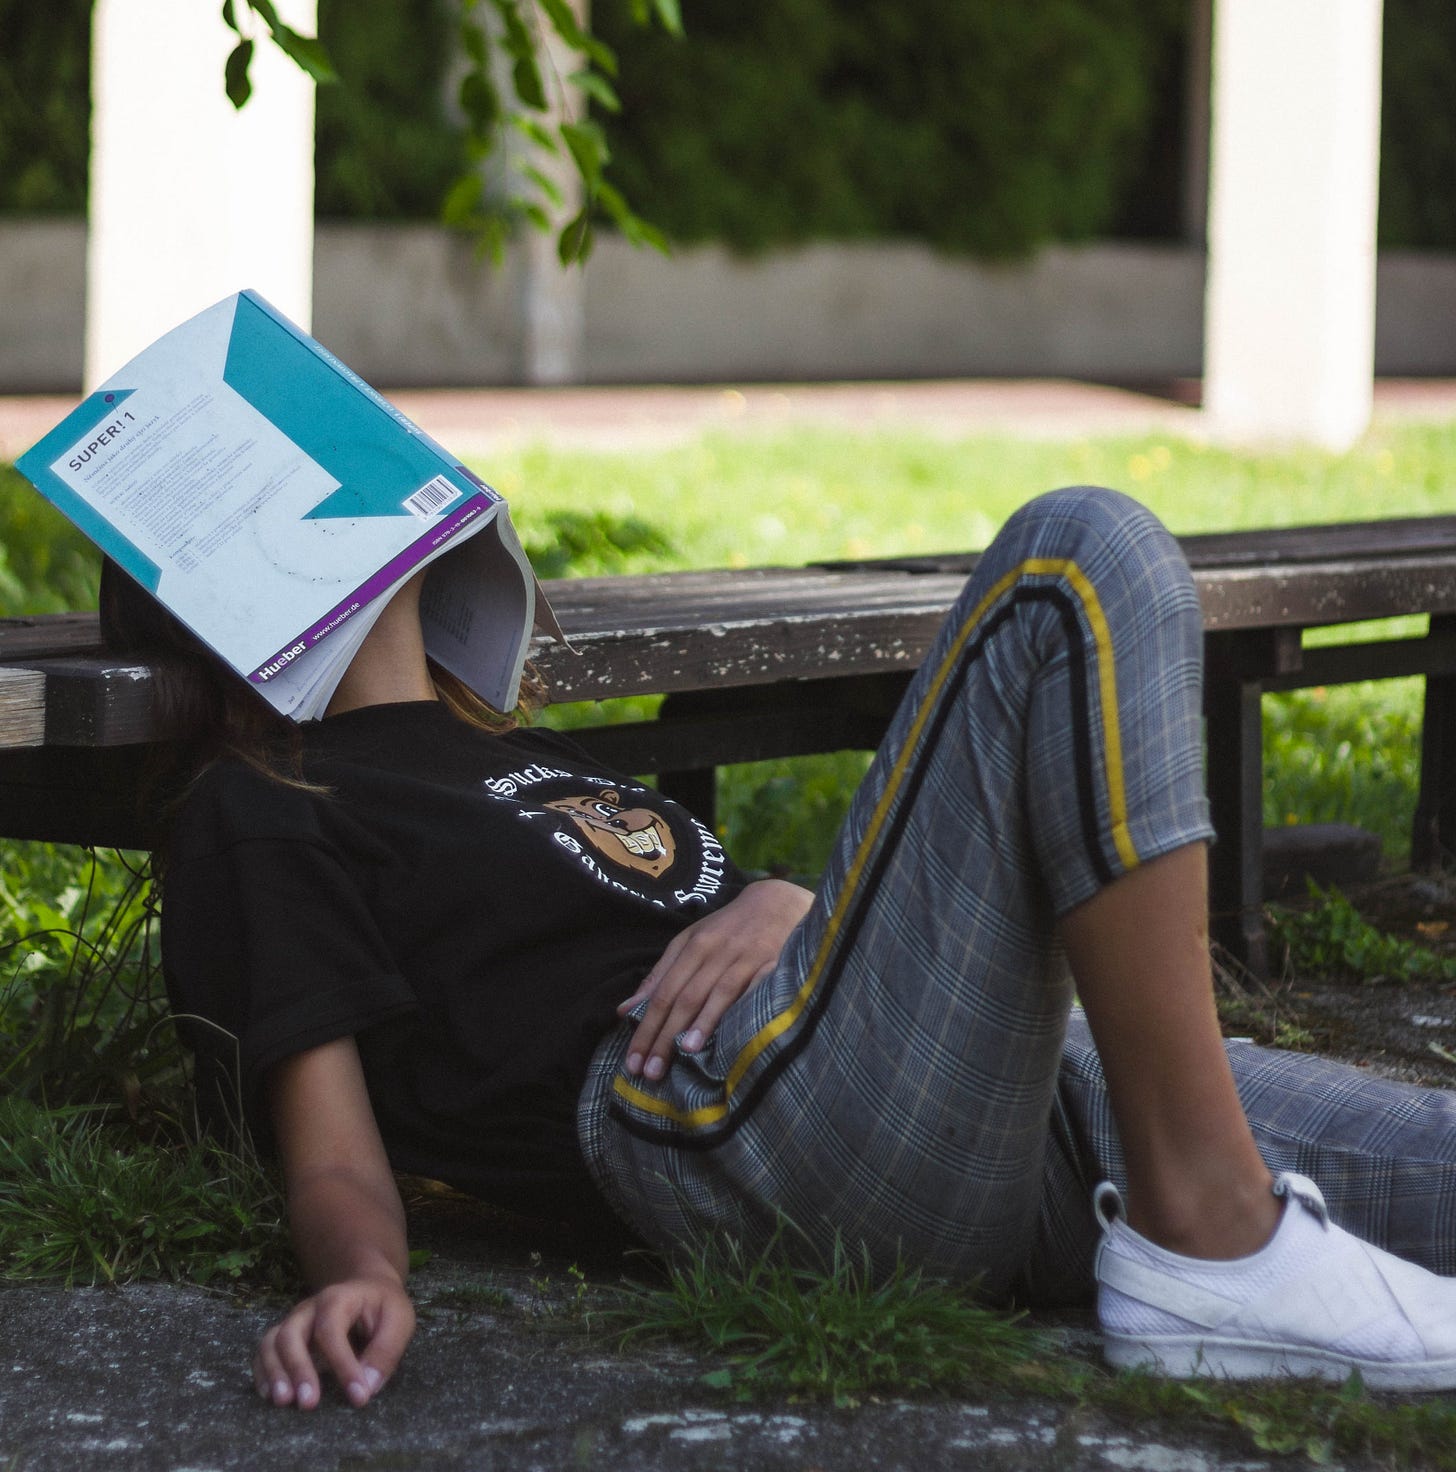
22, 708
1330, 541
662, 633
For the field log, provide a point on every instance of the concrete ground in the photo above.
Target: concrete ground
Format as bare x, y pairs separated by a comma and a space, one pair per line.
500, 1378
155, 1378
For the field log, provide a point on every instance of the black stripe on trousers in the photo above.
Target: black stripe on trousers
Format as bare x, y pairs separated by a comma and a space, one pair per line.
670, 1134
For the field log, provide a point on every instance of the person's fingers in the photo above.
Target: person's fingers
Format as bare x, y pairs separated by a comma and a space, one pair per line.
715, 1004
380, 1357
693, 1014
335, 1323
284, 1362
705, 968
676, 1002
329, 1323
268, 1377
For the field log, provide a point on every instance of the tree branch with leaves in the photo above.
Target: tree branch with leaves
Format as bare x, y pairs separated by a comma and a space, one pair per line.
513, 86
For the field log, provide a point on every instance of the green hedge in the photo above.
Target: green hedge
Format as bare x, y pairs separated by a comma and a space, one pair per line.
384, 148
45, 112
978, 125
1418, 125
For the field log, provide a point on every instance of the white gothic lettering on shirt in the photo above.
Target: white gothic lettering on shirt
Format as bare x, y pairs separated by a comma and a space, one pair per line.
512, 782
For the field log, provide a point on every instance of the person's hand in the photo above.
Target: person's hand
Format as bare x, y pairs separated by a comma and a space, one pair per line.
358, 1328
707, 967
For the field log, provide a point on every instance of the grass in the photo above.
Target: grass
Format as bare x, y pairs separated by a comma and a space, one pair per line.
81, 1008
776, 1329
835, 1333
809, 494
83, 1202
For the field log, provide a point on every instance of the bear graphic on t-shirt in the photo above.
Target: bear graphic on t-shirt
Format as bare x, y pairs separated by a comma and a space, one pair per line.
636, 838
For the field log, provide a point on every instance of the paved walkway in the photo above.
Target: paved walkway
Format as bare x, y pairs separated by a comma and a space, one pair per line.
479, 421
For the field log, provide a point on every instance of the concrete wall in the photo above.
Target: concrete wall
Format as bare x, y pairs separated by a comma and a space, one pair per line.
42, 304
410, 306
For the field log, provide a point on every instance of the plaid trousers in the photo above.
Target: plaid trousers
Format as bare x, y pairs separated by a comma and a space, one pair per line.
906, 1077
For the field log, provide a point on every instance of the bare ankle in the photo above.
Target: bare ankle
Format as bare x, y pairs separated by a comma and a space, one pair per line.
1233, 1219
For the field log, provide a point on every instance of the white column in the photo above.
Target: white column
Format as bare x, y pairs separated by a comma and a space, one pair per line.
1290, 309
553, 296
191, 198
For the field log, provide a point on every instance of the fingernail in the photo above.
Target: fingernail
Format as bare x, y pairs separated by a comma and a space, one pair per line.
634, 1063
372, 1378
655, 1068
263, 1391
281, 1389
307, 1395
358, 1392
692, 1041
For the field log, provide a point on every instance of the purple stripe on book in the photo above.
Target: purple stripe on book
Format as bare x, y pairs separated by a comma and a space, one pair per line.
402, 563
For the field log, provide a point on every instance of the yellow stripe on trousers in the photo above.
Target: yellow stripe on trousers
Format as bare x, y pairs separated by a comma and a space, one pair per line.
1042, 567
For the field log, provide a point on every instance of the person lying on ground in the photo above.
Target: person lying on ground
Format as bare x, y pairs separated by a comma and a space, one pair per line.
428, 939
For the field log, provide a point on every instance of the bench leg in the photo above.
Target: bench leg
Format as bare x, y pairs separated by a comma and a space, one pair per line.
1433, 832
1235, 791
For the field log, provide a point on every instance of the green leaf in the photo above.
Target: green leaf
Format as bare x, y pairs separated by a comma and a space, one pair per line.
265, 9
545, 183
229, 19
574, 245
526, 79
669, 16
307, 52
490, 239
598, 88
602, 55
235, 73
639, 232
565, 24
536, 131
479, 101
588, 146
474, 42
462, 204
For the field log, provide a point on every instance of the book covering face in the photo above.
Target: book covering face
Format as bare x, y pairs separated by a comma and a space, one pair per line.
272, 501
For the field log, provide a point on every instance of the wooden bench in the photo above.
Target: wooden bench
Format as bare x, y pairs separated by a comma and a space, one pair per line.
775, 662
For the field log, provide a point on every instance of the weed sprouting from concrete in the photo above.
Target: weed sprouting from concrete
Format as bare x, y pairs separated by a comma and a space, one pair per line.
839, 1331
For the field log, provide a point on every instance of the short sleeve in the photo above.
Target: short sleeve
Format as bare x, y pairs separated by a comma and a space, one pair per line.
268, 942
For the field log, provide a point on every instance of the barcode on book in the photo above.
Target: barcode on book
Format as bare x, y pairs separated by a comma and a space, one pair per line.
431, 497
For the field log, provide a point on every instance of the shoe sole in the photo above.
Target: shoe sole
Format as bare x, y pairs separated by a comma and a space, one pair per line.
1188, 1357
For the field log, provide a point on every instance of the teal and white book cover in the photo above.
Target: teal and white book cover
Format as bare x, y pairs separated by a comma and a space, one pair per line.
268, 496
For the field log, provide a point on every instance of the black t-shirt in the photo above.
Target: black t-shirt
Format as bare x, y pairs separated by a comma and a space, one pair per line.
471, 907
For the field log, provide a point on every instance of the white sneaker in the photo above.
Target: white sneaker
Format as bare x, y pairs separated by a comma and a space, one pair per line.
1314, 1301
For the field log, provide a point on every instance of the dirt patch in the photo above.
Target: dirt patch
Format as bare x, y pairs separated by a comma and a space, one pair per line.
1406, 1030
